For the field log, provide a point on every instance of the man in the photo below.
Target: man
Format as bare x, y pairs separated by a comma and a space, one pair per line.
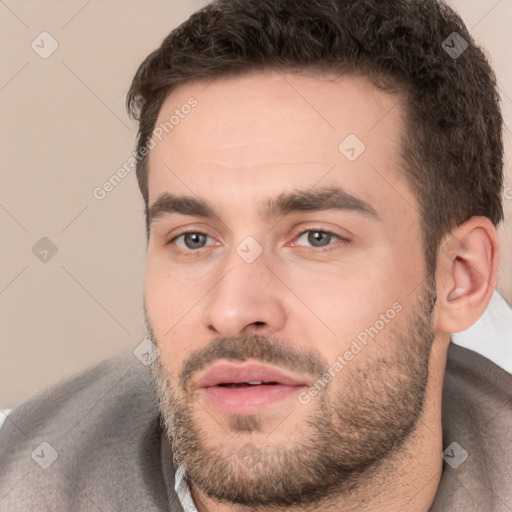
322, 184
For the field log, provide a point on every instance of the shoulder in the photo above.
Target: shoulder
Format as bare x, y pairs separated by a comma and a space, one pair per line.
91, 434
111, 390
477, 439
472, 374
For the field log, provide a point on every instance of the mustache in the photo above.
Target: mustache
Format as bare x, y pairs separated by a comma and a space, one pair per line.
263, 349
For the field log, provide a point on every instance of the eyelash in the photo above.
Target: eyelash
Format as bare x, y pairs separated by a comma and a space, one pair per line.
189, 252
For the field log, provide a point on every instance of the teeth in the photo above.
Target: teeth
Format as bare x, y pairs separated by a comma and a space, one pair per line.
255, 382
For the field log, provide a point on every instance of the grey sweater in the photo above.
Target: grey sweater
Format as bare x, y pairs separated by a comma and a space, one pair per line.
95, 443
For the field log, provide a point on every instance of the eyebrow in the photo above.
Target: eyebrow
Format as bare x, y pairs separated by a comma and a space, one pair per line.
332, 198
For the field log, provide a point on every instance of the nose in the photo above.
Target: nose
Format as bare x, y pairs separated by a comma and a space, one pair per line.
247, 299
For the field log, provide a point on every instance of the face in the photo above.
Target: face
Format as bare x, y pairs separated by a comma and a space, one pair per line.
285, 251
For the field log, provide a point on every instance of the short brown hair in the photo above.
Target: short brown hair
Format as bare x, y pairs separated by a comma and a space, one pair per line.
451, 147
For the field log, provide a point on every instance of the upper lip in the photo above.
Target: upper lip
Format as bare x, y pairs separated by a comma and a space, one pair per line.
224, 372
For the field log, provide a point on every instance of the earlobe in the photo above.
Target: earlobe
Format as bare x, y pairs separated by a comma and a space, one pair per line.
467, 271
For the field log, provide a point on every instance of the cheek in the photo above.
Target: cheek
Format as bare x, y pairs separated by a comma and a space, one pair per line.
168, 289
171, 302
365, 299
344, 306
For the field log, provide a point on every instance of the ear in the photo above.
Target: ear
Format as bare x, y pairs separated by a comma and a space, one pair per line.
467, 270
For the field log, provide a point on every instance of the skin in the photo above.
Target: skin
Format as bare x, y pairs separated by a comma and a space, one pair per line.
252, 138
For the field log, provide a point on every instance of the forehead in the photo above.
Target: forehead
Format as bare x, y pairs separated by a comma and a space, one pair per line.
262, 133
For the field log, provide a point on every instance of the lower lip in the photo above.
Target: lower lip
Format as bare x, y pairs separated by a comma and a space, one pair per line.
249, 400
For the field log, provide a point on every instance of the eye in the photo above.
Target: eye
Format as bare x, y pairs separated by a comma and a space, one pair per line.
320, 238
192, 240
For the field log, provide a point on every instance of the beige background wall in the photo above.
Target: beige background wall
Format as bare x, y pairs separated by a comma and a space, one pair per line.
64, 132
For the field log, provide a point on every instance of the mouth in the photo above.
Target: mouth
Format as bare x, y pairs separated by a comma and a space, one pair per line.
240, 385
246, 388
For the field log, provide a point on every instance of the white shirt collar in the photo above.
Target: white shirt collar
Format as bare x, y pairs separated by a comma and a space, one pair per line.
183, 491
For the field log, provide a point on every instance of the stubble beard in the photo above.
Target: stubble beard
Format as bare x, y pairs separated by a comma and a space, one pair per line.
365, 415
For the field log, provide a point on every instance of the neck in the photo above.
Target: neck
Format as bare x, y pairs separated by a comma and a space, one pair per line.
407, 480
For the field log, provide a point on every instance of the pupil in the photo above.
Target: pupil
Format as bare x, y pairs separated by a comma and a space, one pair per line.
194, 240
318, 236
